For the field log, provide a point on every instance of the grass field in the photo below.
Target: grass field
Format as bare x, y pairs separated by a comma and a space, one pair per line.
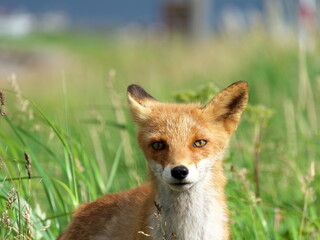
66, 136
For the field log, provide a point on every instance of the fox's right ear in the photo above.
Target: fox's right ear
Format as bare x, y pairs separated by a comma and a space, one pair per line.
139, 102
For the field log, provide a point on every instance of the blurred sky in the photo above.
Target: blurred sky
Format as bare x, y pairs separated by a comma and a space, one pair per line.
118, 12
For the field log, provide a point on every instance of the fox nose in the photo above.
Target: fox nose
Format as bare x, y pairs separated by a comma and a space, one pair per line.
179, 172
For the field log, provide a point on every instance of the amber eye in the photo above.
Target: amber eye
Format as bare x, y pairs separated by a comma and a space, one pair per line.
199, 143
158, 146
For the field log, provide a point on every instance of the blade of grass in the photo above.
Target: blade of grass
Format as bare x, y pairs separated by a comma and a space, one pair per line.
66, 147
114, 168
68, 190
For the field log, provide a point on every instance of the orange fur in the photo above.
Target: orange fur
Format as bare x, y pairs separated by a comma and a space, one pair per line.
129, 215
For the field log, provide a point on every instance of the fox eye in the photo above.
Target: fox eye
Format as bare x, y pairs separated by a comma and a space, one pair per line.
199, 143
158, 146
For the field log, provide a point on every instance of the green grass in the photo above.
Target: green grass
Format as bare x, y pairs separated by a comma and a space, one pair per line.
72, 120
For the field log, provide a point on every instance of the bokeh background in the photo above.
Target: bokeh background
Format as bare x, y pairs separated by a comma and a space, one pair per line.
66, 137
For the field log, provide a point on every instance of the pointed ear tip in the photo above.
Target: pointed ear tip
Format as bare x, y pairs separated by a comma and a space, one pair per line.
138, 93
240, 85
132, 88
243, 84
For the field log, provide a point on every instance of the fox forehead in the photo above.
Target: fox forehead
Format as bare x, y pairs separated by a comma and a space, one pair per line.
175, 121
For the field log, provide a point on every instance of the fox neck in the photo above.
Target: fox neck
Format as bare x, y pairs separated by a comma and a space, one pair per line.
198, 213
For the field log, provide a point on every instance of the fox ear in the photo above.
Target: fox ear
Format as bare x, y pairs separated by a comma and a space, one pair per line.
139, 102
228, 105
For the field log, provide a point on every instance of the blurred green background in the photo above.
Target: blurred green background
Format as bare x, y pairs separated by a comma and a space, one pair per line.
66, 137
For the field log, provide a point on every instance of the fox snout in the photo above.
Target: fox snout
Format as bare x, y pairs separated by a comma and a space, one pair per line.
179, 172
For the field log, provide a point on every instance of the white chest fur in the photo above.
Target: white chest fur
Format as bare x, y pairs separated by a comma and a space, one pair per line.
194, 214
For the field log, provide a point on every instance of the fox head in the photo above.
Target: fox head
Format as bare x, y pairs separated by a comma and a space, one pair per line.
182, 142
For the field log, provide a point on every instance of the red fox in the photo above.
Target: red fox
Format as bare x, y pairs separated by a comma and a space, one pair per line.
183, 145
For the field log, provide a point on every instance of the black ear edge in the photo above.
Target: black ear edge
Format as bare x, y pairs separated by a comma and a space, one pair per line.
244, 83
138, 92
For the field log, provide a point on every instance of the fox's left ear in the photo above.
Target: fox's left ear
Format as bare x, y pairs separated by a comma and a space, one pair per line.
139, 102
228, 105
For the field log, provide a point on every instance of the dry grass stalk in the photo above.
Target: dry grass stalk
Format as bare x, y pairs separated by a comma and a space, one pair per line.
2, 98
158, 216
121, 120
28, 164
22, 236
290, 113
259, 116
1, 163
95, 139
99, 118
51, 135
145, 234
161, 224
242, 177
11, 198
23, 104
27, 217
306, 100
278, 218
44, 228
305, 182
308, 192
256, 158
79, 165
6, 222
2, 103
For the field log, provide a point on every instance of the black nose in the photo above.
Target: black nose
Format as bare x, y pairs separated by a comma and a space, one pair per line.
179, 172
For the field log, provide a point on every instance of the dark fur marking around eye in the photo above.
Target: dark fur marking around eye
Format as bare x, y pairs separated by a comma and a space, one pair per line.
138, 92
